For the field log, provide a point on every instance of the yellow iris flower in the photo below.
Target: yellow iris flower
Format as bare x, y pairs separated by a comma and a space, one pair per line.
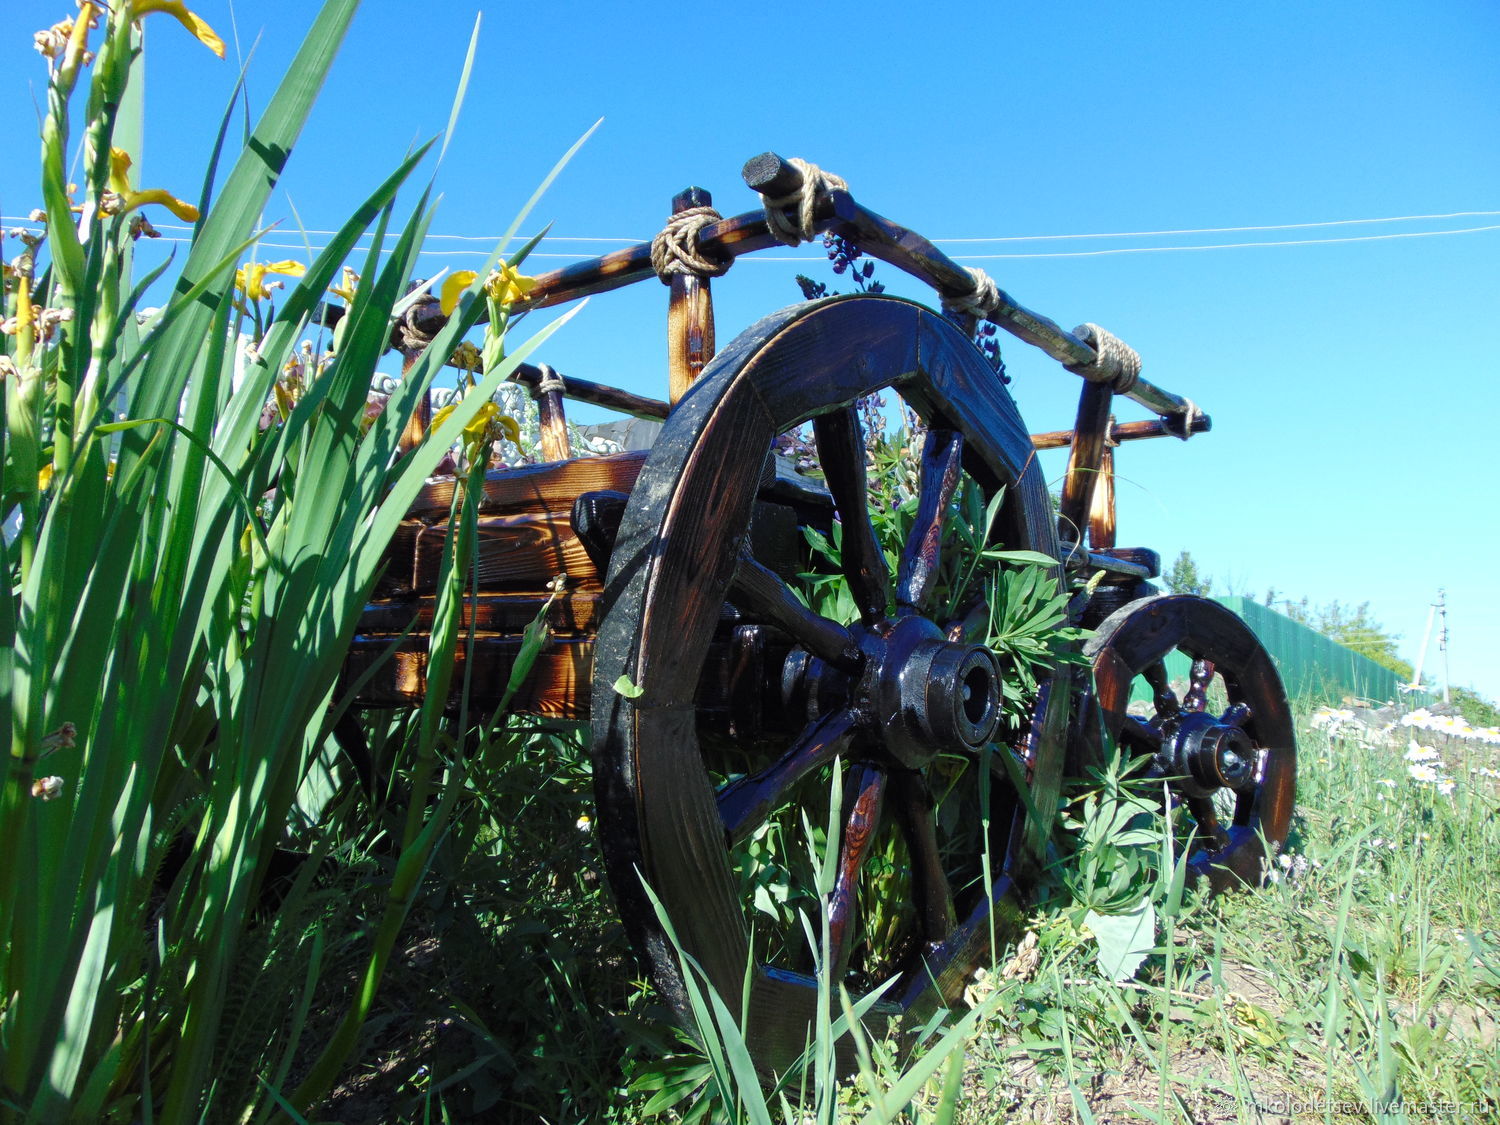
122, 198
477, 435
504, 286
250, 279
478, 429
179, 11
346, 286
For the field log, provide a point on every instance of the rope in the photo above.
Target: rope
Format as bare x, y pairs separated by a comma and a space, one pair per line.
676, 250
804, 199
410, 336
980, 301
548, 381
1190, 415
1115, 362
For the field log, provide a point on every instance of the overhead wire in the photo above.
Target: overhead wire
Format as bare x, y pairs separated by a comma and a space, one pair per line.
1010, 237
308, 246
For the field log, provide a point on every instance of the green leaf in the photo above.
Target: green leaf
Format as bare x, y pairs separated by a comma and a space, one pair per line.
628, 688
463, 86
1034, 557
1123, 939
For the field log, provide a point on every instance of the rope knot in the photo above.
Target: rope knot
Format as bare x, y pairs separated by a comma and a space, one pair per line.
980, 301
548, 380
1115, 361
410, 336
803, 200
1185, 421
676, 249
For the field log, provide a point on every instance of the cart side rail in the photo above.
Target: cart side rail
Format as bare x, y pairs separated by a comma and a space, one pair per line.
831, 208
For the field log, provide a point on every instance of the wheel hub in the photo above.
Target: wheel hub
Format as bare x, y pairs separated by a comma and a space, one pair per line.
921, 693
1208, 754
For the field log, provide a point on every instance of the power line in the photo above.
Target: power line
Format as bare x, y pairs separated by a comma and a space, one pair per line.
1108, 251
1226, 245
1009, 237
456, 237
1226, 230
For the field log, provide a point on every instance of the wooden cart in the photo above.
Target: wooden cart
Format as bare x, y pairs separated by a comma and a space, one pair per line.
681, 565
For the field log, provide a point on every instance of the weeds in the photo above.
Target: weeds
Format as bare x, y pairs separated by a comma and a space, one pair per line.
183, 585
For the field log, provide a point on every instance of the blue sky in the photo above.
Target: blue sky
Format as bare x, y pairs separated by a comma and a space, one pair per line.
1354, 385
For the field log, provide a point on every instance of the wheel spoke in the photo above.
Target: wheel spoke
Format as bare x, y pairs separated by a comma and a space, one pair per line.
1196, 698
665, 819
841, 452
933, 898
1207, 821
972, 624
942, 454
762, 592
1234, 700
1143, 735
864, 787
1236, 715
1162, 696
746, 802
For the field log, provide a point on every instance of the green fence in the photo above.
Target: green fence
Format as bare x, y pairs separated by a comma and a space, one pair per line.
1311, 666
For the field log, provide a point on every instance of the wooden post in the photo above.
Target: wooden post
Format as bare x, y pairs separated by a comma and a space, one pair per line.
551, 416
690, 314
1102, 510
1084, 460
420, 421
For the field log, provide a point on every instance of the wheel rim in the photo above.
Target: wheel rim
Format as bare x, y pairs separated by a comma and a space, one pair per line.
909, 684
1225, 742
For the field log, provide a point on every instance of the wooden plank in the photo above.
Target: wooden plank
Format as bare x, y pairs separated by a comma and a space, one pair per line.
557, 687
577, 613
521, 551
538, 488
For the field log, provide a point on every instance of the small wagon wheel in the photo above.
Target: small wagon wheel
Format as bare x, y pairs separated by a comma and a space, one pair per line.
890, 694
1225, 741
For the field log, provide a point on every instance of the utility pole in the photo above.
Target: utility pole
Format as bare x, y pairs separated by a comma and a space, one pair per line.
1416, 679
1443, 638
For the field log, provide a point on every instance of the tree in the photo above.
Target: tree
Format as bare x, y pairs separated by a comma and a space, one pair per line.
1358, 631
1354, 628
1183, 578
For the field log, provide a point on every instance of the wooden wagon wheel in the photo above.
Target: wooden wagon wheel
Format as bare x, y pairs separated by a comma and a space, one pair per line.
1225, 741
890, 694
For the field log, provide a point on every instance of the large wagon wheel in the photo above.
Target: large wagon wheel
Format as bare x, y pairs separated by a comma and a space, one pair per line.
1225, 741
890, 694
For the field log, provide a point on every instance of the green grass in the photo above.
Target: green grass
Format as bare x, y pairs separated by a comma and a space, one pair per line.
1365, 975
